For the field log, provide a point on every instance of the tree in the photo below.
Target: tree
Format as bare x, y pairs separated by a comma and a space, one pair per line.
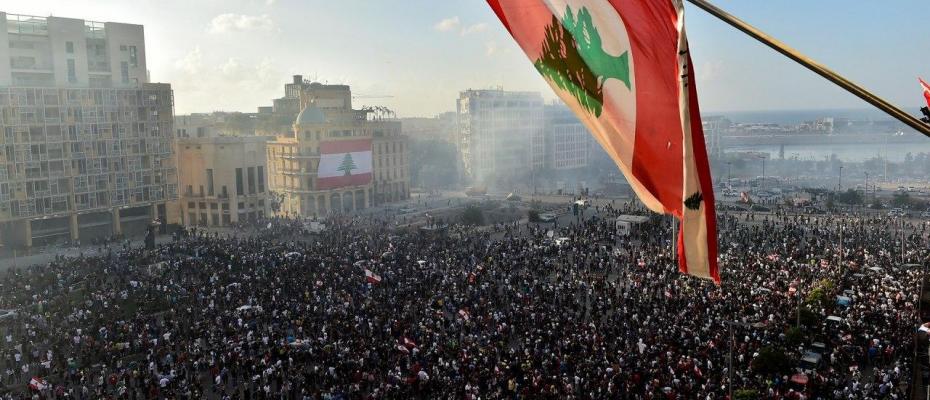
348, 164
794, 336
830, 204
808, 318
905, 200
850, 196
746, 394
472, 215
822, 294
532, 215
771, 361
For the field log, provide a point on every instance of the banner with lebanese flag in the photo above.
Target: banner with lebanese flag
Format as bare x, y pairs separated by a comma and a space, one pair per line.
926, 88
623, 66
344, 163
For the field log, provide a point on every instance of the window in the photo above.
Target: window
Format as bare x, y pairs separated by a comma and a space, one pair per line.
239, 182
133, 57
72, 75
261, 179
209, 182
124, 70
251, 172
69, 47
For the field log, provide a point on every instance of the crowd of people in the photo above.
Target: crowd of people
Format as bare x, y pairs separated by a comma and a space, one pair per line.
366, 311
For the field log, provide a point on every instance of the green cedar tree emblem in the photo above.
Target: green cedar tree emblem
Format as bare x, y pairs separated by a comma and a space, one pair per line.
575, 61
347, 164
693, 202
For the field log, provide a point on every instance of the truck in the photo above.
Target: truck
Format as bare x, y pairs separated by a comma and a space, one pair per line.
476, 191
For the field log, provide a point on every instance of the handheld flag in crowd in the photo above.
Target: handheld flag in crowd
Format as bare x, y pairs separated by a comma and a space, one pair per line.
371, 277
624, 68
37, 383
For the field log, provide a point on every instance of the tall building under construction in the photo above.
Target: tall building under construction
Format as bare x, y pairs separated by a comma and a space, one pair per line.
87, 145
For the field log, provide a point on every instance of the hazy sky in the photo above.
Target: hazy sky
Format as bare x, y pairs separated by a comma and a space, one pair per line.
236, 55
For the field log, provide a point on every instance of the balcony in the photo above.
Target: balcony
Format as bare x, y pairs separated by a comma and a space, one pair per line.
26, 24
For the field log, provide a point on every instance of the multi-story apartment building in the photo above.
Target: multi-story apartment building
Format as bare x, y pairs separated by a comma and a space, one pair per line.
368, 144
67, 52
87, 144
217, 123
195, 126
569, 144
500, 135
224, 180
715, 127
390, 164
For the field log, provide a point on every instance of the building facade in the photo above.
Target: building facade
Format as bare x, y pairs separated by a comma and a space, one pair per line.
195, 126
224, 180
67, 52
87, 145
500, 135
569, 144
326, 124
715, 127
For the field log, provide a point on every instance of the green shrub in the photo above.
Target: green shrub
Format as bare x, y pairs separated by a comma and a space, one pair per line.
746, 394
472, 215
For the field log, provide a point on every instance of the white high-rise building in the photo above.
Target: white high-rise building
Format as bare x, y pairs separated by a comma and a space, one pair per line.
500, 135
67, 52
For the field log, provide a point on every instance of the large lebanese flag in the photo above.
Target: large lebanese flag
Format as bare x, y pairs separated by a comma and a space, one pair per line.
926, 88
623, 67
344, 163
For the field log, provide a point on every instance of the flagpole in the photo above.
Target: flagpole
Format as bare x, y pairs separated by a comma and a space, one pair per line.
812, 65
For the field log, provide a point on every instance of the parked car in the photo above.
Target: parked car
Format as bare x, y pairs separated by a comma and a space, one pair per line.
547, 217
896, 212
925, 214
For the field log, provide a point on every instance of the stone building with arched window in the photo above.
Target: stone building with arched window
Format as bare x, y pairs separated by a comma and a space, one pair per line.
327, 120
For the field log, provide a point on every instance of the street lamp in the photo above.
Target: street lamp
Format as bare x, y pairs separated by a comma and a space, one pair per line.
839, 182
866, 187
730, 355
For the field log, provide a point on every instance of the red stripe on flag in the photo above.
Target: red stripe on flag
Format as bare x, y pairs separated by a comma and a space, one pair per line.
703, 166
926, 87
657, 155
340, 181
496, 6
345, 146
